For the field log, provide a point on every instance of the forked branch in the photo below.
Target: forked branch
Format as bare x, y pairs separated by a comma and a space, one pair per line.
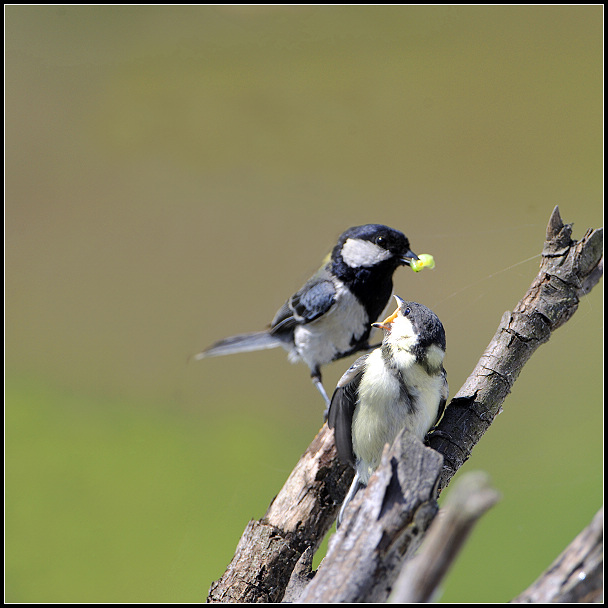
386, 522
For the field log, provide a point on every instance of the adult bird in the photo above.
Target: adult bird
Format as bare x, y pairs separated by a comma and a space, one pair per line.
330, 317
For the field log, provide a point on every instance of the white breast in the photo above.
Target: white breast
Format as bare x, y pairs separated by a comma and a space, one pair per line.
379, 415
383, 409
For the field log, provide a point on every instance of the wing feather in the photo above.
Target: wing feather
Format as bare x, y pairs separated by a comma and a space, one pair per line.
306, 305
342, 409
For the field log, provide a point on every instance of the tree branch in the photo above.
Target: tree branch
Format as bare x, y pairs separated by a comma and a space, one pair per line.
568, 270
577, 574
296, 522
467, 501
382, 525
387, 521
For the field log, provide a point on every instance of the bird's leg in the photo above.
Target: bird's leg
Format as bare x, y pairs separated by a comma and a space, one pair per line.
355, 486
316, 380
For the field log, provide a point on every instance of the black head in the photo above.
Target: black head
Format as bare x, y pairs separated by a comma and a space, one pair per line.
416, 323
365, 259
373, 245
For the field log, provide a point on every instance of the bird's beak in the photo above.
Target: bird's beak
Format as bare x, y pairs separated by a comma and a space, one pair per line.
408, 257
386, 324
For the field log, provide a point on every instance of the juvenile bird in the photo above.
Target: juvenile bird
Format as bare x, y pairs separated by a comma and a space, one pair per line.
401, 384
330, 316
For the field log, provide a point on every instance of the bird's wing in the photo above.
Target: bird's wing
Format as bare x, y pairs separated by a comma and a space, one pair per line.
342, 409
306, 305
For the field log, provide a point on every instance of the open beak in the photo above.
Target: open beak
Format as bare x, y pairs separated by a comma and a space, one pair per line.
408, 257
387, 323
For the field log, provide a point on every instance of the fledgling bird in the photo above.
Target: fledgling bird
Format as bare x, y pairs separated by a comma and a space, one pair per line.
330, 316
401, 384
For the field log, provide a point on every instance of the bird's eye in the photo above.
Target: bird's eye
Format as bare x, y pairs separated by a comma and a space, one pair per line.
407, 311
381, 240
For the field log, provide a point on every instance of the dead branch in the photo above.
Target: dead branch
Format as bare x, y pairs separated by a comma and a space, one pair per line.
294, 524
577, 575
383, 524
467, 501
568, 270
387, 521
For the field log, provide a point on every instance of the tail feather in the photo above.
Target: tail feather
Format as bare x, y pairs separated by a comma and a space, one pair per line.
241, 344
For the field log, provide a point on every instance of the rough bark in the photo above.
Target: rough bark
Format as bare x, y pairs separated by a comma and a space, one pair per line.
294, 525
577, 575
568, 270
384, 524
467, 501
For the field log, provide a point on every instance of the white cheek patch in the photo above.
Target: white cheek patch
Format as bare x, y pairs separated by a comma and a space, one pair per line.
356, 253
434, 356
404, 338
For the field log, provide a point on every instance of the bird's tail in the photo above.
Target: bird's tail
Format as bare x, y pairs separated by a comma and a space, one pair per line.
240, 344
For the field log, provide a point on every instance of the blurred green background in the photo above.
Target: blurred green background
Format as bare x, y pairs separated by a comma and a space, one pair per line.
173, 174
